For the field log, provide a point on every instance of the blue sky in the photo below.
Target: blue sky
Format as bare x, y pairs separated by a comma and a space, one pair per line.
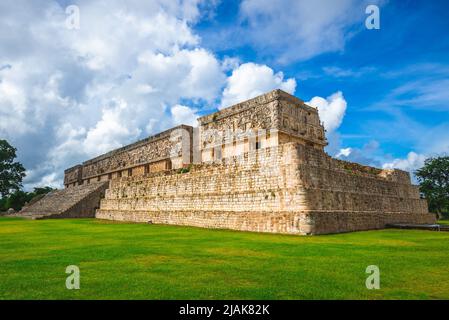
410, 51
128, 71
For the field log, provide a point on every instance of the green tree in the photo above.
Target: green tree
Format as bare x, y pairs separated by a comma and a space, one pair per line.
11, 172
3, 204
42, 190
433, 178
17, 199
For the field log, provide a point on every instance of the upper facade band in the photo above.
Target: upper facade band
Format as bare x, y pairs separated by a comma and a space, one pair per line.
265, 121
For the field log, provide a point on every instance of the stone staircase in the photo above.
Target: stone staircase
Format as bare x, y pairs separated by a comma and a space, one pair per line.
73, 202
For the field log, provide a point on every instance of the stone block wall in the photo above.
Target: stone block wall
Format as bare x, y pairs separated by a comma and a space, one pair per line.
344, 196
73, 176
159, 152
290, 188
268, 120
257, 191
262, 180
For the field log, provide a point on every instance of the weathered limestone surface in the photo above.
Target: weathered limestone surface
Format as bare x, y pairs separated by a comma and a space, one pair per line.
291, 188
76, 202
344, 196
155, 153
259, 165
269, 120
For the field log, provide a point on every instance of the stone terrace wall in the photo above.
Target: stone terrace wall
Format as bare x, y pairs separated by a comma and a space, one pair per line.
287, 189
345, 196
258, 191
152, 149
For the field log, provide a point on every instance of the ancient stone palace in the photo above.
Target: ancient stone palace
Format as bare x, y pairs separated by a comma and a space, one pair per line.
259, 165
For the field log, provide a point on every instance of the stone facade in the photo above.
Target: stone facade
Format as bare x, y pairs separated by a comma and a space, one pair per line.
155, 153
260, 166
283, 189
268, 120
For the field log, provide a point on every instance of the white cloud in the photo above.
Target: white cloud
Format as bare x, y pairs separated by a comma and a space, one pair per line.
250, 80
184, 115
331, 110
369, 154
145, 88
110, 130
428, 94
230, 63
338, 72
192, 74
297, 30
67, 95
345, 152
13, 106
411, 163
130, 70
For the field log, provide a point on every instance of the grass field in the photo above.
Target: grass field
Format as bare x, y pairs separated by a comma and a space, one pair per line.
138, 261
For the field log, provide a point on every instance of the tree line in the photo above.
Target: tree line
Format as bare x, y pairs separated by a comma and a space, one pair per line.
433, 180
11, 176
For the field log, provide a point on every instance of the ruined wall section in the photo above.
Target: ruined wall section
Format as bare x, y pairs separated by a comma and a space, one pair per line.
299, 123
232, 131
163, 151
258, 191
268, 120
290, 188
345, 196
73, 176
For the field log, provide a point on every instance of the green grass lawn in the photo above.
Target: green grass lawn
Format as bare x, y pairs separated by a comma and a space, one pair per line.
139, 261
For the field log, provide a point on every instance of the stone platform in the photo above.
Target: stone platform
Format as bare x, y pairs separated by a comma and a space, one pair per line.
291, 188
